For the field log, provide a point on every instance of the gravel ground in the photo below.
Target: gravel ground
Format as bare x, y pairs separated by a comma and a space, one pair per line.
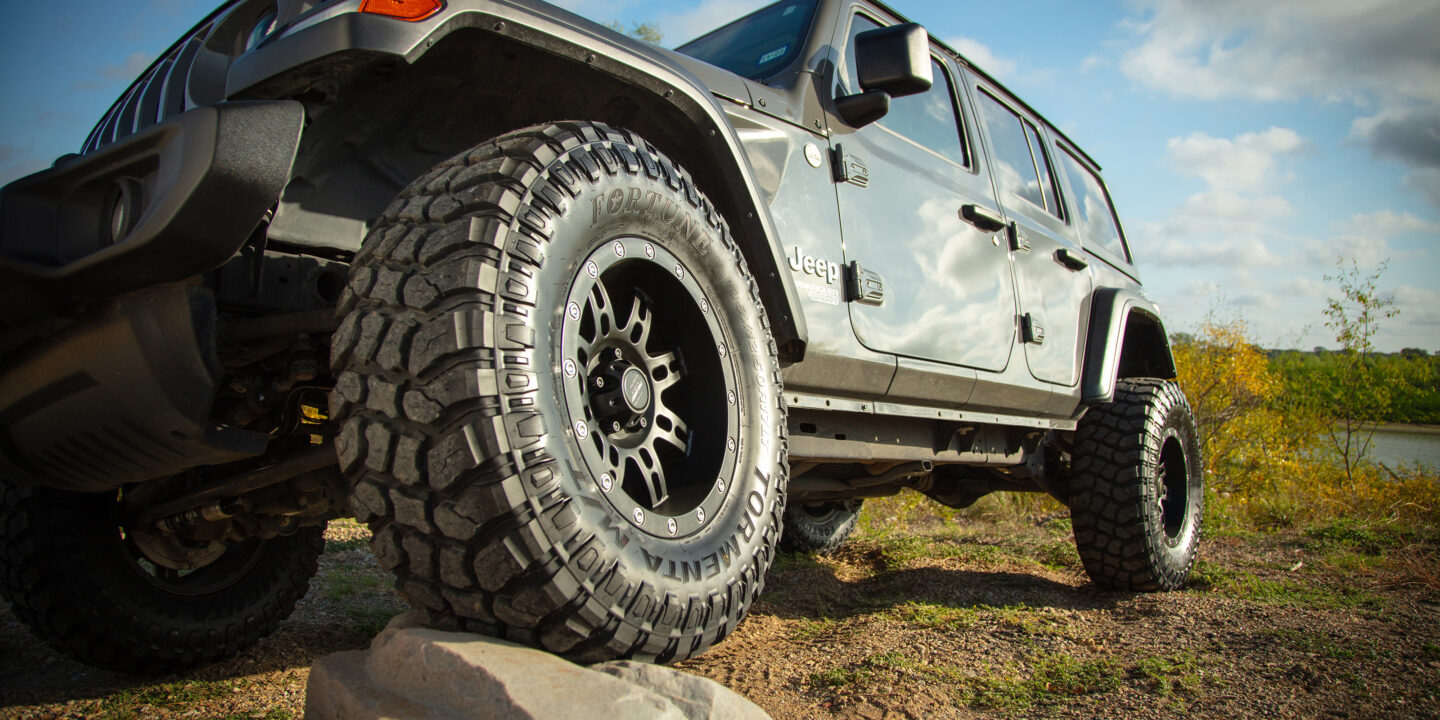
982, 620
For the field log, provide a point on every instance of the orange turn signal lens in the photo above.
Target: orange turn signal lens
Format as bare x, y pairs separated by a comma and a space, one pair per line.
411, 10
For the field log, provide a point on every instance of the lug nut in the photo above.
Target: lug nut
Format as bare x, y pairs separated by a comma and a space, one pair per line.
615, 426
619, 355
599, 382
644, 422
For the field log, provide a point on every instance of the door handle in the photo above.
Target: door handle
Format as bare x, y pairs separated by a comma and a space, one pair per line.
1071, 260
983, 218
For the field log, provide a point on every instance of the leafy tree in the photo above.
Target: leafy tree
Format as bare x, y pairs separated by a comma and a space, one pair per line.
644, 32
1362, 398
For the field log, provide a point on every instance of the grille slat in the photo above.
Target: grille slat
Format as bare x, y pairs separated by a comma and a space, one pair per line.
157, 96
154, 89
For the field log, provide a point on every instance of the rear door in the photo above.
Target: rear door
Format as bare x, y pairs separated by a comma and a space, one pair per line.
1052, 273
902, 183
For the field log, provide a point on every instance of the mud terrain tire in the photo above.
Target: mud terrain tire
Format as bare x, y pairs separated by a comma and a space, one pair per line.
821, 528
559, 400
1137, 488
70, 575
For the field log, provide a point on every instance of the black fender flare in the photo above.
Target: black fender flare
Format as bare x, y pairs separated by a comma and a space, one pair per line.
1126, 339
651, 70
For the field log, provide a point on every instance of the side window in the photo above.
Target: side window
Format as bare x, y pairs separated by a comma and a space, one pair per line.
1019, 170
1047, 174
929, 118
1092, 204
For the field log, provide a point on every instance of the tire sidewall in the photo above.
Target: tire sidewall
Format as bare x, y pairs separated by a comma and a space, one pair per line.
655, 583
1177, 423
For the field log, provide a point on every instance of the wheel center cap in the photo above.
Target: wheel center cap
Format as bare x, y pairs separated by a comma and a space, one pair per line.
636, 389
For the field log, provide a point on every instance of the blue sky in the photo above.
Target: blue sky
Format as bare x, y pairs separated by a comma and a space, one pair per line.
1248, 145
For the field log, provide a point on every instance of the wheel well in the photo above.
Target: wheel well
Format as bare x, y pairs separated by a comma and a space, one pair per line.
1145, 351
378, 126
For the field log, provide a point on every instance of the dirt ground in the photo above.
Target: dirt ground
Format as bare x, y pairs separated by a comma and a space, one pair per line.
979, 620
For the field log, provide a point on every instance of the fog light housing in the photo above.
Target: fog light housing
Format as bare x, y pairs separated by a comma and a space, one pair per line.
122, 209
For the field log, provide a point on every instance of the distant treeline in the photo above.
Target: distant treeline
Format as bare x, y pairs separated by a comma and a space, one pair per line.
1406, 385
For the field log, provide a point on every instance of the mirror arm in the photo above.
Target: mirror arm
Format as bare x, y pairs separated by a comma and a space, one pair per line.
861, 109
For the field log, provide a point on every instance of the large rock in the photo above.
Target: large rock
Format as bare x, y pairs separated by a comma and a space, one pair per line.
413, 672
696, 696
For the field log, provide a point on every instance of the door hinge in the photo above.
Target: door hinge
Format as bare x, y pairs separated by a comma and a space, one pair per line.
1031, 329
863, 286
848, 168
1018, 242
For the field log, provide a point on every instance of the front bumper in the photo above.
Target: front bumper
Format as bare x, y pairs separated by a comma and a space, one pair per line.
165, 204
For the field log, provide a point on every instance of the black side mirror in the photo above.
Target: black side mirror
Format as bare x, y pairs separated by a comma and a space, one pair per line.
891, 62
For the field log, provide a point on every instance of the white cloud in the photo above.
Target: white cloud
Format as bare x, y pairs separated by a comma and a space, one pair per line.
1417, 324
1305, 287
1410, 136
116, 73
1390, 223
1366, 249
1233, 221
1245, 163
1425, 181
983, 57
1357, 50
1380, 55
1365, 238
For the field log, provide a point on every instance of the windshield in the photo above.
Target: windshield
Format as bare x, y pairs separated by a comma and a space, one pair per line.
759, 44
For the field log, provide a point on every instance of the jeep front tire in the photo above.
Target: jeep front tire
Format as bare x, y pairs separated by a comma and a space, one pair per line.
559, 400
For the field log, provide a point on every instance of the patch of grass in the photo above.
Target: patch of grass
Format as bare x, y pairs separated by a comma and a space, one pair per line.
1328, 646
1346, 560
342, 583
332, 546
365, 596
839, 677
901, 551
369, 620
1208, 575
274, 714
1051, 679
1058, 555
893, 660
1289, 592
181, 695
934, 616
1353, 534
791, 561
807, 630
1019, 618
1170, 674
898, 551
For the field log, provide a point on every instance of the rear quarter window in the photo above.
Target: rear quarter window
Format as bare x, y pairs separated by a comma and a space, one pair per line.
1092, 208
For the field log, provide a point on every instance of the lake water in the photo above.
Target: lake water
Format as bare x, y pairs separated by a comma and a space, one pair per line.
1406, 448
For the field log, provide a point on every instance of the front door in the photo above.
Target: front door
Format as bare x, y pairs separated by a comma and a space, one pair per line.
902, 185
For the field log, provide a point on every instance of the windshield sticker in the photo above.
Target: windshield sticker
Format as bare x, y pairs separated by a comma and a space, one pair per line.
789, 10
773, 54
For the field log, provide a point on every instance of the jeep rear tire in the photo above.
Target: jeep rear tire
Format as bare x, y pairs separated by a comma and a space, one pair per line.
1137, 490
559, 400
820, 528
86, 586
